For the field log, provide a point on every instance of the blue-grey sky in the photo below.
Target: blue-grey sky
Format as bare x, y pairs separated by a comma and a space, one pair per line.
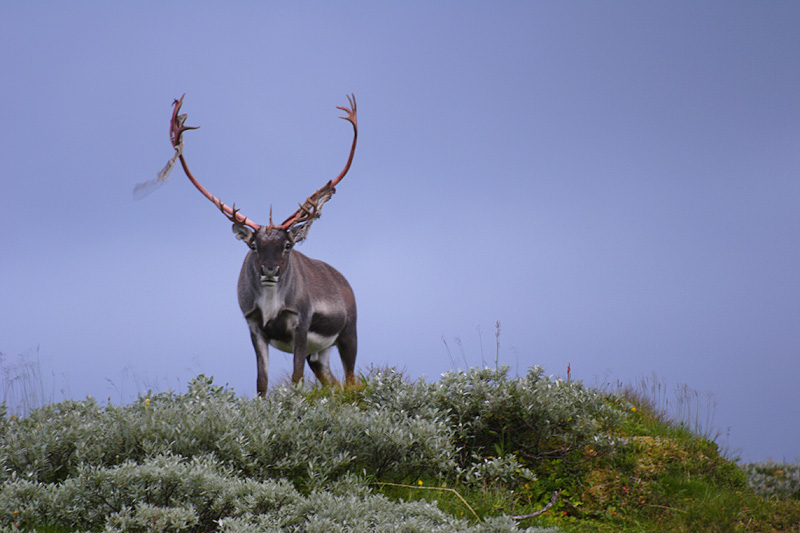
616, 183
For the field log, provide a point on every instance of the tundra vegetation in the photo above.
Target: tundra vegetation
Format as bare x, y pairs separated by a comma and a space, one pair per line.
476, 451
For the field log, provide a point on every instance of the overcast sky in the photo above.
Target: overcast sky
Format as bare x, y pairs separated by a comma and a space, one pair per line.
615, 182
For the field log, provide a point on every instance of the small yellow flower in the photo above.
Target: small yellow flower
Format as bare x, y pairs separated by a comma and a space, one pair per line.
634, 409
419, 482
146, 403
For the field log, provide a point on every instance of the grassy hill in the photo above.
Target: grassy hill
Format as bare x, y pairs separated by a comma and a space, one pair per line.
474, 451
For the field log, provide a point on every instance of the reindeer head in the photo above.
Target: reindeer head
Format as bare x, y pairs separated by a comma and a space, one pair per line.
271, 247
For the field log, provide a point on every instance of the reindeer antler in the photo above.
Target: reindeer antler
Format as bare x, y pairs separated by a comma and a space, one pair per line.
177, 127
310, 209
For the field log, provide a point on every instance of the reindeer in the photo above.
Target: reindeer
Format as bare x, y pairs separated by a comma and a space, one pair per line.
297, 304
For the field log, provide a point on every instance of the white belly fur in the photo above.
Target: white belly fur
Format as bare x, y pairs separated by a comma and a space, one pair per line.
314, 344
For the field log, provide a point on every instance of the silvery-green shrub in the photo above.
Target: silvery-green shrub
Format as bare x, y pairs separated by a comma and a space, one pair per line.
325, 512
147, 517
532, 416
283, 435
207, 458
195, 491
774, 480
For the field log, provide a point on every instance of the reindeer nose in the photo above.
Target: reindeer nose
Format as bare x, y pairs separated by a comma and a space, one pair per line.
270, 271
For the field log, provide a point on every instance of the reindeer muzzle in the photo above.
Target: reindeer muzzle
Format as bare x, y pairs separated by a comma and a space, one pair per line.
268, 281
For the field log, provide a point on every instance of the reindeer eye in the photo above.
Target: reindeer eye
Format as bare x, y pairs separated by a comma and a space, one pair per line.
287, 247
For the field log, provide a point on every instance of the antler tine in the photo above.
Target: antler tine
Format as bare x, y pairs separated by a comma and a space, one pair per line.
353, 119
176, 130
310, 209
233, 215
176, 125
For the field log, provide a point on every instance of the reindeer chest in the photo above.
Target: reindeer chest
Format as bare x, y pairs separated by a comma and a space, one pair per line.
277, 320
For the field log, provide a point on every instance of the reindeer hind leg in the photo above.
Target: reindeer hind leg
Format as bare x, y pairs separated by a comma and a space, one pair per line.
348, 346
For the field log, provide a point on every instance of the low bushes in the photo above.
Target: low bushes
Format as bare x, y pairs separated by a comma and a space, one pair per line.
384, 455
301, 459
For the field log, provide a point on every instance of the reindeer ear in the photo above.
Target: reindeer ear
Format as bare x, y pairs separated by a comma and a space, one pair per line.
243, 233
300, 232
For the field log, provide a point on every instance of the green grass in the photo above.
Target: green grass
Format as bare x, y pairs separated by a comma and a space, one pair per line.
669, 478
473, 451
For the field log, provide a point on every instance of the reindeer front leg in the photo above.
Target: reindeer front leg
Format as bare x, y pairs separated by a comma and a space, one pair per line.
300, 342
261, 345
